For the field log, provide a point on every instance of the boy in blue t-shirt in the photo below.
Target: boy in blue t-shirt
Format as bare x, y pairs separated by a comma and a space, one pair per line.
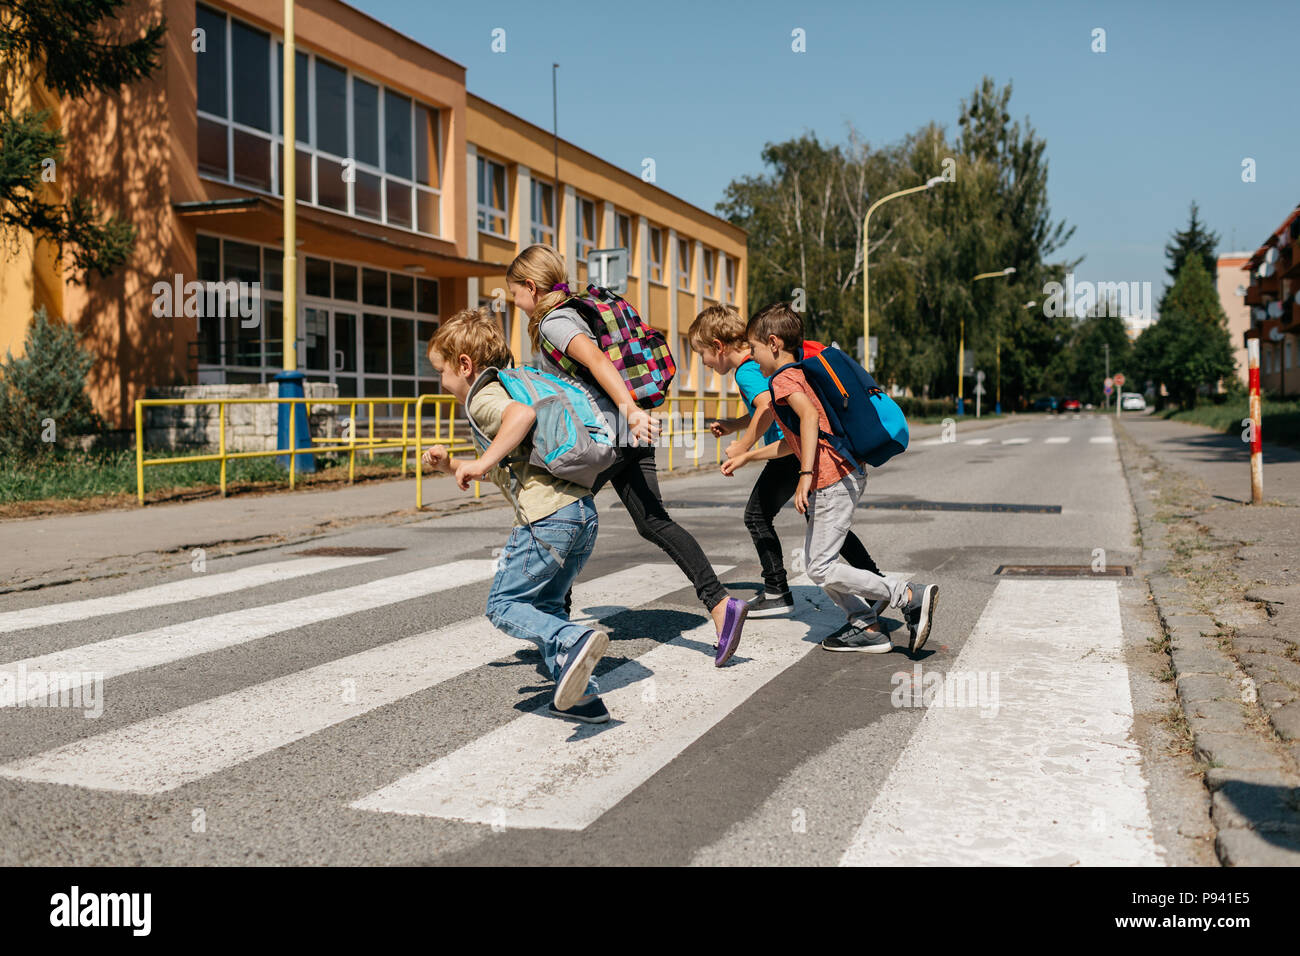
718, 336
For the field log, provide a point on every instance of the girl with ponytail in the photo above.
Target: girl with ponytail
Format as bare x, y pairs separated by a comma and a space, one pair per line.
538, 281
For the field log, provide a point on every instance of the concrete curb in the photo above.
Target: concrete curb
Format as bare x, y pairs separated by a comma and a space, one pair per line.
1253, 794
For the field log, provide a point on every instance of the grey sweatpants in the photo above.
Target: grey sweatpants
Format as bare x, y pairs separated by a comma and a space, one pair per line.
830, 518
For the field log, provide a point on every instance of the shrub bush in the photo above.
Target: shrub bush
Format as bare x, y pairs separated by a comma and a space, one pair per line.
43, 397
914, 406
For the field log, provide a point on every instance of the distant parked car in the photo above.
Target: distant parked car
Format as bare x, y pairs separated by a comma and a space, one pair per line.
1045, 404
1071, 405
1133, 402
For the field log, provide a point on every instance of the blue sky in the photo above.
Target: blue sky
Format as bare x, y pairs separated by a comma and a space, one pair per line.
1184, 92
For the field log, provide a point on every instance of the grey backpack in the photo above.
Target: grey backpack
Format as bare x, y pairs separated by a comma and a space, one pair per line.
571, 440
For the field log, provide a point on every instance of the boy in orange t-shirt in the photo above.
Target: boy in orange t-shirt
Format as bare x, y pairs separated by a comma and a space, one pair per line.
828, 493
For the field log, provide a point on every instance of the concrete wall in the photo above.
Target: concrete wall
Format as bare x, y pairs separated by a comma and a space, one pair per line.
248, 427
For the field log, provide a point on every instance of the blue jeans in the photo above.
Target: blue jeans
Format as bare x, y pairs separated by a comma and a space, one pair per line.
527, 597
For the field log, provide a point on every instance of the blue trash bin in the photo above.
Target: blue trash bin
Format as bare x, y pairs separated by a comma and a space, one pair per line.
291, 386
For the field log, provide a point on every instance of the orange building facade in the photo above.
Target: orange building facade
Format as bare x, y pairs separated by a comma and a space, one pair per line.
412, 195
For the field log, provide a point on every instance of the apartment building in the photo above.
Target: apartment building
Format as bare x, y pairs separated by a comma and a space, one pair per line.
1273, 296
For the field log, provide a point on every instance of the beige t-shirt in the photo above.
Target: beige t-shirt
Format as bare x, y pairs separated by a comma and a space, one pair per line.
541, 494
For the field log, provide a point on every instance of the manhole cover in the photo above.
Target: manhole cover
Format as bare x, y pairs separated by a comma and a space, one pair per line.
1063, 571
348, 552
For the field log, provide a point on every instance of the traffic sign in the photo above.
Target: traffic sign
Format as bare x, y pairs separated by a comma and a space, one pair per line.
1119, 379
1109, 382
607, 268
1109, 388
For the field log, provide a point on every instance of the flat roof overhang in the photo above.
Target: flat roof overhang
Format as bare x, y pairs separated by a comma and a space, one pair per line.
332, 236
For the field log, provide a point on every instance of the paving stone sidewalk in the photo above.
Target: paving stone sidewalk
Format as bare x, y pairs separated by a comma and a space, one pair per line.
1224, 575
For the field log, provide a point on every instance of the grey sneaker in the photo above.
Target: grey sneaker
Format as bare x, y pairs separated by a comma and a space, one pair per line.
857, 637
769, 604
576, 668
919, 613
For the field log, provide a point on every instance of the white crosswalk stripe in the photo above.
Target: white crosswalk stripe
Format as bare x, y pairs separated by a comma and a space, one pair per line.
165, 645
174, 592
165, 752
1016, 441
1102, 439
1021, 769
1058, 440
537, 771
977, 441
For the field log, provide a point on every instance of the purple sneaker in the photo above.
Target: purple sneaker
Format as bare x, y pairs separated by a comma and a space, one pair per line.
732, 623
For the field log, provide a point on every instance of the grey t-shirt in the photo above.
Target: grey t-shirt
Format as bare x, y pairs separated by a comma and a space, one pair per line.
559, 328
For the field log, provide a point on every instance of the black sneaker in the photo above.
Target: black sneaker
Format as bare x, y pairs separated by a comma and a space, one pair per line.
577, 667
855, 637
919, 613
769, 604
593, 711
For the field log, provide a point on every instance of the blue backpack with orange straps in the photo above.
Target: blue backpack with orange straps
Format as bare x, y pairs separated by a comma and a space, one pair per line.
867, 426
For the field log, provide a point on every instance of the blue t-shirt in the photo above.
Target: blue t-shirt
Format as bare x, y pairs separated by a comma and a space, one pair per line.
752, 383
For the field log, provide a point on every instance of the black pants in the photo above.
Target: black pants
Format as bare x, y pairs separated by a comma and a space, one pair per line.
636, 482
775, 487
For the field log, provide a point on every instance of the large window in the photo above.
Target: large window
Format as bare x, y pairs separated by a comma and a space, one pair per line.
623, 229
366, 330
656, 254
729, 279
492, 197
362, 149
543, 214
707, 278
684, 264
586, 235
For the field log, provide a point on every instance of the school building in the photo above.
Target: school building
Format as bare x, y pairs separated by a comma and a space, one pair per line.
1273, 297
412, 196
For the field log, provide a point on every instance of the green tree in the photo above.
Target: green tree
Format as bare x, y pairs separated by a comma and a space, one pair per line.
1195, 240
1087, 356
42, 394
804, 218
1189, 348
75, 48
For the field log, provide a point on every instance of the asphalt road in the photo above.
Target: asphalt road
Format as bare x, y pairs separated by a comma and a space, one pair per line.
363, 712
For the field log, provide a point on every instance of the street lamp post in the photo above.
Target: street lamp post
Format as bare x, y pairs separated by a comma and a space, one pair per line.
961, 346
866, 285
291, 420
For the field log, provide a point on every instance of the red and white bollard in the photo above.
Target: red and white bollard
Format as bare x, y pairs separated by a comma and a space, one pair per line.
1256, 434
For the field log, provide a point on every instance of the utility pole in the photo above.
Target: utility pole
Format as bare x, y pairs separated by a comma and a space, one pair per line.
555, 145
1106, 346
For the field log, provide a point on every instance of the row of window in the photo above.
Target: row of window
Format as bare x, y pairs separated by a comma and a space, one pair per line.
368, 333
361, 148
493, 218
1272, 358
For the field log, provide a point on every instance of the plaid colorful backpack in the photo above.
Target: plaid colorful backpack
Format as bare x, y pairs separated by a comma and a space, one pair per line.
639, 352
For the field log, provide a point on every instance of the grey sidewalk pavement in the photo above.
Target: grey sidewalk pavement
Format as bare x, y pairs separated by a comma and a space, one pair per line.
37, 552
1224, 576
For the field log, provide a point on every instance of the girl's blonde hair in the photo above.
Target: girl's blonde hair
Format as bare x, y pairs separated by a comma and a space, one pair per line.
545, 267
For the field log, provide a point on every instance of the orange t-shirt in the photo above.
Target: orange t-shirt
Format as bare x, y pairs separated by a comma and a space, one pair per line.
829, 466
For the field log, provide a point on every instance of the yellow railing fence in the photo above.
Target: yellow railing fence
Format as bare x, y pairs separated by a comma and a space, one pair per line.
684, 432
684, 428
444, 417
